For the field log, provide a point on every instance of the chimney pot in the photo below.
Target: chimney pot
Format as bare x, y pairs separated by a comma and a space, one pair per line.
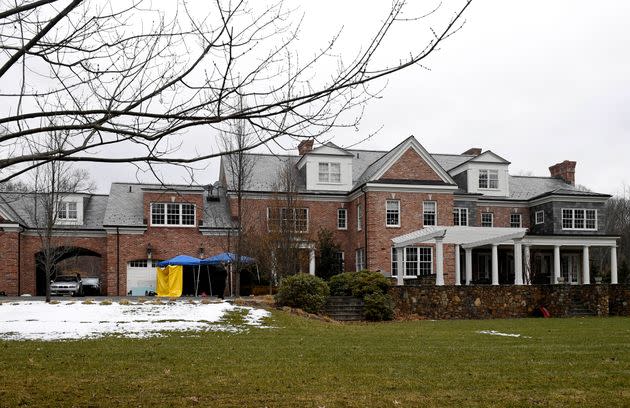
564, 170
474, 151
305, 146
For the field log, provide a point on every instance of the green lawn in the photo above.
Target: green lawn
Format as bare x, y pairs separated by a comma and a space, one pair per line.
566, 362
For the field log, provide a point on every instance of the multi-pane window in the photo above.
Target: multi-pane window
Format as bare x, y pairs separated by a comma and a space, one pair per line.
143, 263
342, 218
67, 210
579, 219
487, 219
489, 179
394, 262
339, 257
329, 172
359, 217
515, 221
287, 219
429, 212
418, 261
360, 259
173, 214
460, 216
393, 213
540, 217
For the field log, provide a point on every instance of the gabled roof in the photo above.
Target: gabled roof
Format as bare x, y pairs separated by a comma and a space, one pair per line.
328, 149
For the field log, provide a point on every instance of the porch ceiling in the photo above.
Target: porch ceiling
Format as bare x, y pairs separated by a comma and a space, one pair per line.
466, 236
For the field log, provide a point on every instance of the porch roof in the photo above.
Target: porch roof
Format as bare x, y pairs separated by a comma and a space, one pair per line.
468, 237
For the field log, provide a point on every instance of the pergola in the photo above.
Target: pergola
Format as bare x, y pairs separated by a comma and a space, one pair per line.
472, 237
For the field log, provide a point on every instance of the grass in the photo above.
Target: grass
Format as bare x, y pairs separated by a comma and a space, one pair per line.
303, 362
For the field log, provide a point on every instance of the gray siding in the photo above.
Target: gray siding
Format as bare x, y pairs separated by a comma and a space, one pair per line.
462, 180
553, 218
472, 210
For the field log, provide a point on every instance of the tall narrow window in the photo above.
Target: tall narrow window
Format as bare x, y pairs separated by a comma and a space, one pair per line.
411, 261
394, 262
392, 217
342, 219
360, 259
359, 217
460, 216
515, 221
540, 217
487, 219
429, 212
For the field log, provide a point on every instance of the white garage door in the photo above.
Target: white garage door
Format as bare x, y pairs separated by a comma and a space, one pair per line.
141, 277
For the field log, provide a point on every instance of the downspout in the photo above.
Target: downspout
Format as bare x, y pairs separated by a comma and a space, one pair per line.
365, 226
117, 261
19, 263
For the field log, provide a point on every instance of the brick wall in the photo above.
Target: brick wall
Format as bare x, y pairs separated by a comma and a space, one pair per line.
485, 302
502, 215
9, 252
410, 166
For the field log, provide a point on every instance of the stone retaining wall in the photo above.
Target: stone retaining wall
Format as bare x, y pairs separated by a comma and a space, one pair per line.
508, 301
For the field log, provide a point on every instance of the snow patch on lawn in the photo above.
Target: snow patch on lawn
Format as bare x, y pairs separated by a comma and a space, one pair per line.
36, 320
496, 333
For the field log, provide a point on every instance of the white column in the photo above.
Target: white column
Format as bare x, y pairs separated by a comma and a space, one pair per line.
311, 261
468, 265
495, 264
556, 264
439, 262
586, 267
518, 262
613, 265
458, 268
400, 253
528, 265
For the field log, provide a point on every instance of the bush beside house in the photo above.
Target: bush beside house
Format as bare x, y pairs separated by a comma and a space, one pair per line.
303, 291
371, 287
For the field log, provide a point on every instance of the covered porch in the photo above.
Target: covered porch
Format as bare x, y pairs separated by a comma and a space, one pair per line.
505, 256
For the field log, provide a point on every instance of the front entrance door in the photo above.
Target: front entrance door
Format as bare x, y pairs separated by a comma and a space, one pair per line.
570, 268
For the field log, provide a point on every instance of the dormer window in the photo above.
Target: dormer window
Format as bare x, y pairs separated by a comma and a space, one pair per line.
329, 172
489, 179
67, 211
173, 214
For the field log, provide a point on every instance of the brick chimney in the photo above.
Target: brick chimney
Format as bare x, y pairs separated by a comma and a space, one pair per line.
305, 146
564, 170
474, 151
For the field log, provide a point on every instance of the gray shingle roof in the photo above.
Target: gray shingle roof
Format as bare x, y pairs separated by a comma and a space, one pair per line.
450, 161
528, 187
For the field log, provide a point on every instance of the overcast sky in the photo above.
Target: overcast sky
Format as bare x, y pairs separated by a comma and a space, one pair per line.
536, 82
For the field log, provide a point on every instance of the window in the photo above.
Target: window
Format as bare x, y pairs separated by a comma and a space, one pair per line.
579, 219
515, 220
360, 259
394, 262
489, 179
329, 172
359, 217
392, 213
339, 257
540, 217
142, 263
173, 214
429, 211
67, 210
342, 219
460, 216
418, 261
487, 219
287, 219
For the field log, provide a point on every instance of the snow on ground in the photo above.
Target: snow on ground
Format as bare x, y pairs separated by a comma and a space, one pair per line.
67, 320
496, 333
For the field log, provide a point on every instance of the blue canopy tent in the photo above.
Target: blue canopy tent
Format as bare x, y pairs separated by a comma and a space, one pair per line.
229, 258
186, 260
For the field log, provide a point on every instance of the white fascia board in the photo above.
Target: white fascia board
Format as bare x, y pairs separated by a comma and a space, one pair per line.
402, 188
70, 233
605, 241
218, 232
422, 152
417, 237
303, 197
10, 227
568, 198
500, 203
126, 230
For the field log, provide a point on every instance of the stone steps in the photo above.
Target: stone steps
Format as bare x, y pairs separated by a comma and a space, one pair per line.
578, 309
344, 308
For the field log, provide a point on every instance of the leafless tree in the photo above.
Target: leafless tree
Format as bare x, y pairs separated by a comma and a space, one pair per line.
123, 74
50, 213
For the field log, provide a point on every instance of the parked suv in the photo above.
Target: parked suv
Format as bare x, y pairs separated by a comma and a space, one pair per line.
67, 285
91, 286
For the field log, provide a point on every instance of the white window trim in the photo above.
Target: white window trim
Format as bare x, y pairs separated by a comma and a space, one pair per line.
359, 217
488, 171
542, 218
562, 210
398, 210
329, 173
459, 210
491, 220
345, 211
424, 212
520, 220
404, 262
181, 216
392, 263
359, 265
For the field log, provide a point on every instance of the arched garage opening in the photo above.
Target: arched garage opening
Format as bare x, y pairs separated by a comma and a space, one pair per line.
67, 260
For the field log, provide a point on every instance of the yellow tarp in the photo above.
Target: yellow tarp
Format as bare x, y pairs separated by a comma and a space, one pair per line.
170, 281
